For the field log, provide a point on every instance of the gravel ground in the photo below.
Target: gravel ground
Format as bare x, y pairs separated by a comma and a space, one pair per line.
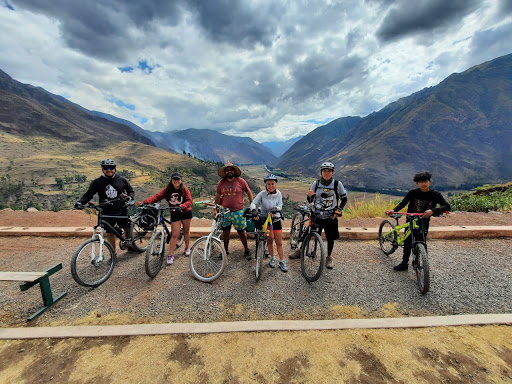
467, 276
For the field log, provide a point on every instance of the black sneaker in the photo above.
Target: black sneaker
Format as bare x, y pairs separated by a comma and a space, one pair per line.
247, 254
401, 267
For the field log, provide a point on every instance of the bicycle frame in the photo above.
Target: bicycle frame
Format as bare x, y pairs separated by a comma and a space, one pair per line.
101, 236
216, 228
409, 228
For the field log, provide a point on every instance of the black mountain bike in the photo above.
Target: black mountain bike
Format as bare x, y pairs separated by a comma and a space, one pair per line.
152, 217
94, 260
304, 233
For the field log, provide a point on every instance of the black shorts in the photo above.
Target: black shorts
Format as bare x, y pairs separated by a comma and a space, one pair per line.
175, 216
276, 226
330, 226
121, 222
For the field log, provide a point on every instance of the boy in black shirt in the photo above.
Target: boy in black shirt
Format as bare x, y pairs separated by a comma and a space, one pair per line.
421, 200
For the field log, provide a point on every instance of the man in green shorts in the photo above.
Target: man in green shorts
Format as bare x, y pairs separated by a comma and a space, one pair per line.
230, 194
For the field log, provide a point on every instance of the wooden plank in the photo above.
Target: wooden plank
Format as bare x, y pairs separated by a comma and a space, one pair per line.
21, 276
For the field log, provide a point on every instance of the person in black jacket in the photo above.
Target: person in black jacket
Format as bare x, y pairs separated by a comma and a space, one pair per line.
110, 186
421, 200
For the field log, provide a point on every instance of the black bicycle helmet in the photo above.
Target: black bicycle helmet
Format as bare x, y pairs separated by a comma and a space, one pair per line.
108, 163
270, 176
327, 165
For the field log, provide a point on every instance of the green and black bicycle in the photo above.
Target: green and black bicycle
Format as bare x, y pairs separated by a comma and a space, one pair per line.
390, 240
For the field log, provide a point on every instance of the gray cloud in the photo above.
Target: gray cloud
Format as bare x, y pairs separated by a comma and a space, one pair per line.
407, 18
505, 7
491, 43
237, 22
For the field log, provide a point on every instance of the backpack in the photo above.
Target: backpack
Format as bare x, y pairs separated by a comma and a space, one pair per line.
148, 218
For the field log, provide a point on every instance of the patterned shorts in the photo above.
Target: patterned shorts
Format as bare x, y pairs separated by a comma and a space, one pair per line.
236, 219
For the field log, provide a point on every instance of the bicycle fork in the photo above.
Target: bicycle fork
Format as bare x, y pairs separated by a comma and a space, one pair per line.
162, 240
95, 261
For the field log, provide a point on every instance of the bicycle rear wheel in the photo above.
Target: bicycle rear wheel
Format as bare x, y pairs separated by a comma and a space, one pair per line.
207, 259
260, 254
387, 237
312, 257
296, 230
421, 267
91, 264
155, 253
140, 237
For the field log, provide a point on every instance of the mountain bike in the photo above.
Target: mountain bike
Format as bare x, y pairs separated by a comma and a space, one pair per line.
390, 240
304, 233
94, 260
261, 239
160, 235
207, 255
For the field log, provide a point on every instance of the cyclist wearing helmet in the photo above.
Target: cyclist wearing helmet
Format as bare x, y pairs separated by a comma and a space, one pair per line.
271, 201
110, 186
330, 197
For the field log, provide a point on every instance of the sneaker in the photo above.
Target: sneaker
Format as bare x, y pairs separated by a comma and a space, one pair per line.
282, 265
170, 259
295, 254
401, 267
187, 252
329, 264
272, 262
247, 254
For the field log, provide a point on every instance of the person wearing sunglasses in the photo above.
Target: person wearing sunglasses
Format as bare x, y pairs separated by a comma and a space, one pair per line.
110, 187
176, 195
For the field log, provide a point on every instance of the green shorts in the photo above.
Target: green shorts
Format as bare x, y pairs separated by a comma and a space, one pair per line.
236, 219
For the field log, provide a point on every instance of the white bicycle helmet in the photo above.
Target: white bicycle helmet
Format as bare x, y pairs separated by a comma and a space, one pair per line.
327, 165
270, 176
108, 163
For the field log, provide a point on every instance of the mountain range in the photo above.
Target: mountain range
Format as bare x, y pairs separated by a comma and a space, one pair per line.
459, 130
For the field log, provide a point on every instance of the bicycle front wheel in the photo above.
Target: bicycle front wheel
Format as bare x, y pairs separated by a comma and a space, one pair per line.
387, 237
155, 253
207, 259
140, 237
295, 230
260, 254
92, 264
421, 267
312, 257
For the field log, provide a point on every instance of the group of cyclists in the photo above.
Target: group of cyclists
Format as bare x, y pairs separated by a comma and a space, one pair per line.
327, 195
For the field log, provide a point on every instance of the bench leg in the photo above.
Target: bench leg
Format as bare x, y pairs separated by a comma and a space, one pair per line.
46, 293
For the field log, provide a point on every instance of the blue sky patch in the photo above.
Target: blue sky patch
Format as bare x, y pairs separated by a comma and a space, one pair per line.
121, 103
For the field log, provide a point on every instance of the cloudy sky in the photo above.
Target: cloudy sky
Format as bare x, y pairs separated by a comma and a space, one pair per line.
267, 69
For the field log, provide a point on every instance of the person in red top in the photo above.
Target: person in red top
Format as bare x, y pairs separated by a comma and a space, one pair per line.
176, 194
230, 194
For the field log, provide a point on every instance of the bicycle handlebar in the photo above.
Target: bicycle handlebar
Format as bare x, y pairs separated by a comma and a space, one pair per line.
107, 202
398, 214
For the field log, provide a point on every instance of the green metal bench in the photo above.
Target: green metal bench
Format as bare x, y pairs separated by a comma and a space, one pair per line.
33, 278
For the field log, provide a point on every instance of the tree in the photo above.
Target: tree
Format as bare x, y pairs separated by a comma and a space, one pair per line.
60, 182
